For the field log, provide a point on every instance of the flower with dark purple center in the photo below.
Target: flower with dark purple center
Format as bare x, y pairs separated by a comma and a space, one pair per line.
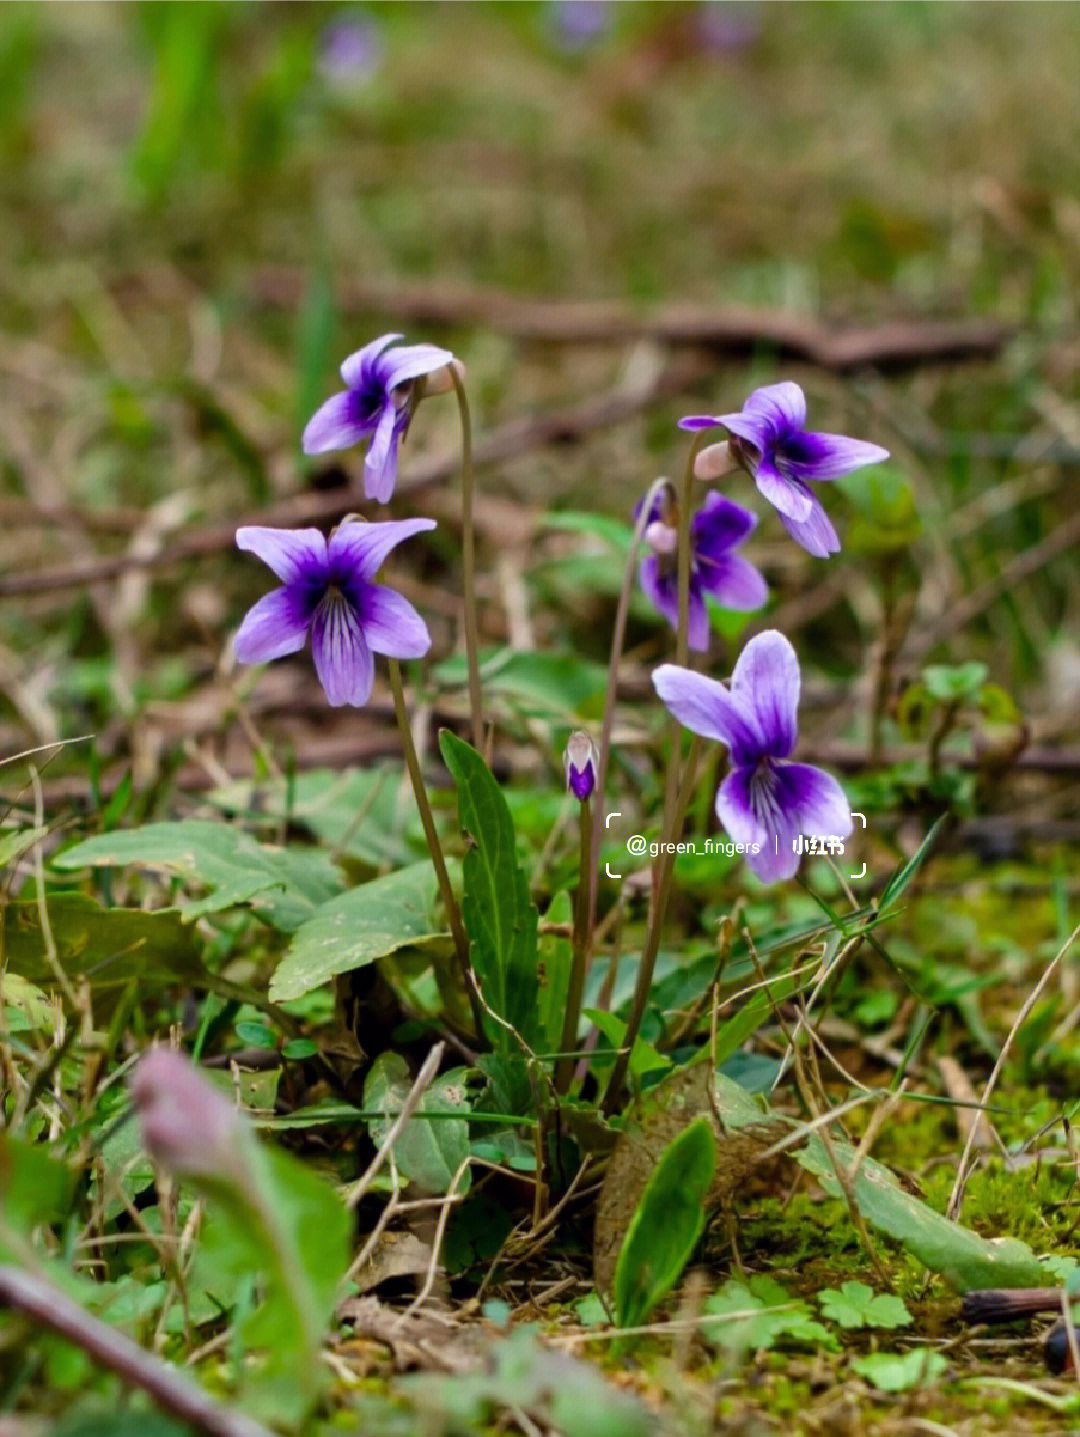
327, 588
766, 802
716, 530
377, 402
581, 759
770, 440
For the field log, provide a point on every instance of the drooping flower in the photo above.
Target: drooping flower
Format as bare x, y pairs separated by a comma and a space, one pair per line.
327, 588
716, 530
766, 802
770, 440
377, 401
580, 759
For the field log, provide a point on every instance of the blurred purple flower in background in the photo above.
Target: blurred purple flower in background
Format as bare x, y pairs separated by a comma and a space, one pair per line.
765, 800
717, 528
725, 25
350, 50
577, 23
376, 402
327, 589
770, 440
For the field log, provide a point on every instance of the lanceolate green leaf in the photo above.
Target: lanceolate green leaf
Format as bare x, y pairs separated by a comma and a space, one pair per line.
500, 918
666, 1225
357, 927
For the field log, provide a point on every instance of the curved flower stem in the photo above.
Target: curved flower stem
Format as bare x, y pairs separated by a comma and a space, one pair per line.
453, 913
564, 1066
604, 748
468, 563
676, 798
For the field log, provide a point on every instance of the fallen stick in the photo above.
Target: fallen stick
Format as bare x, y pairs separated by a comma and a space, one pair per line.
170, 1388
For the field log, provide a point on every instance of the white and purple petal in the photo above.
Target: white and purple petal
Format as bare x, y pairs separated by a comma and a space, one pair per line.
391, 624
357, 550
733, 581
817, 804
815, 534
343, 660
765, 689
747, 806
782, 406
400, 365
694, 422
818, 457
380, 462
706, 707
789, 496
297, 556
277, 625
337, 424
357, 369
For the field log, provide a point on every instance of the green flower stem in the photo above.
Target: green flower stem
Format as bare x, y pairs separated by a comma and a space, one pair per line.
682, 631
564, 1067
468, 563
665, 871
453, 913
604, 748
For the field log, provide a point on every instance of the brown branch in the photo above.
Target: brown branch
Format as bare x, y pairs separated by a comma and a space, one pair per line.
510, 440
171, 1389
732, 329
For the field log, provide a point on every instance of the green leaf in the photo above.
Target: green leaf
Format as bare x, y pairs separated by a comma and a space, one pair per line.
356, 927
644, 1058
354, 813
112, 945
952, 683
615, 532
961, 1256
666, 1225
284, 887
904, 875
753, 1013
15, 843
499, 915
900, 1372
428, 1150
857, 1305
540, 684
34, 1189
756, 1314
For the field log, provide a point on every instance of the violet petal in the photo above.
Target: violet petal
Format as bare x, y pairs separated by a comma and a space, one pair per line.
297, 556
359, 549
765, 688
734, 582
334, 425
705, 707
816, 533
343, 660
277, 625
391, 624
356, 369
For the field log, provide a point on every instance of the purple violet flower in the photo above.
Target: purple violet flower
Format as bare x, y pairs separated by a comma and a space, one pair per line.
377, 401
327, 588
770, 440
717, 528
765, 802
581, 759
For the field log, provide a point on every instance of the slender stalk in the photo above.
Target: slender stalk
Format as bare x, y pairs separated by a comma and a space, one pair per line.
666, 868
468, 563
453, 913
675, 799
564, 1067
604, 748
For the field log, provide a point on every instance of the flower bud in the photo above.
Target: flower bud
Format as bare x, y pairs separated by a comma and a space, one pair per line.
661, 538
714, 462
581, 759
188, 1127
441, 381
